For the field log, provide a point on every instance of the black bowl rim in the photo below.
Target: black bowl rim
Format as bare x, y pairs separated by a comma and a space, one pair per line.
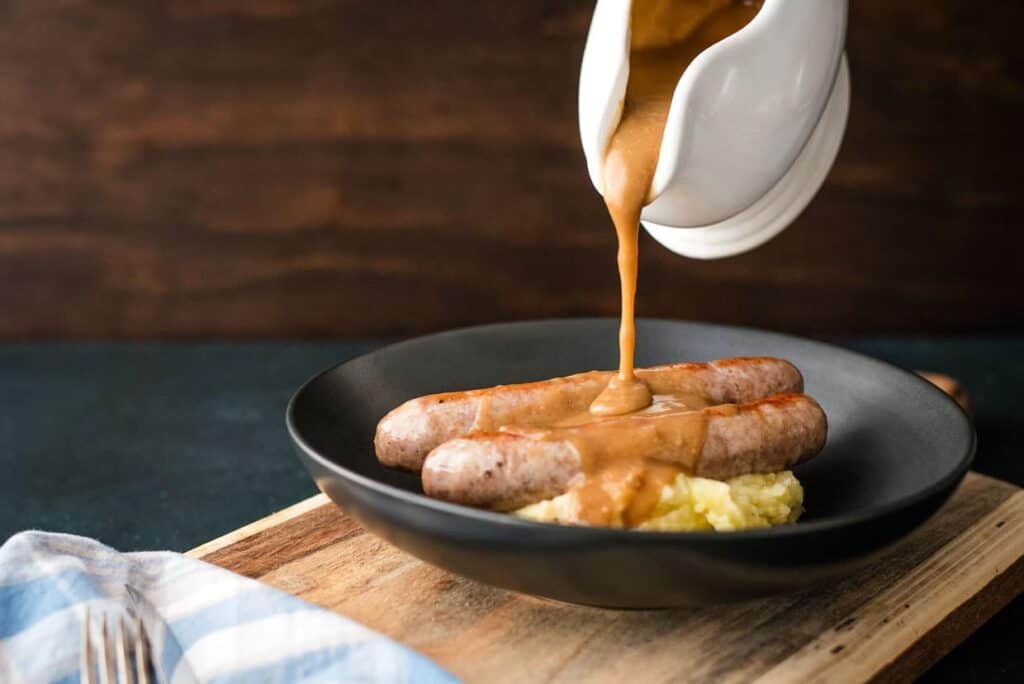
598, 534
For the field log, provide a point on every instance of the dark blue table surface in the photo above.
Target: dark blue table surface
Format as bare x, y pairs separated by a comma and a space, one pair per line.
161, 445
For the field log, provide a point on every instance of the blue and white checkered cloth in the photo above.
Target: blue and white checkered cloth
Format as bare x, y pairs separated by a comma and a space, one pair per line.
204, 623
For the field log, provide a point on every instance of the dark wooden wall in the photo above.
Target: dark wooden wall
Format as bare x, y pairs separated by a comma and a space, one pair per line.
285, 168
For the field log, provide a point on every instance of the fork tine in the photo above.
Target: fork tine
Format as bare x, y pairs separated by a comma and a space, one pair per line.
141, 652
121, 652
104, 648
85, 655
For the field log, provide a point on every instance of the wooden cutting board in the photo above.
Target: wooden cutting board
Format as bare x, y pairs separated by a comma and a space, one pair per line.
887, 623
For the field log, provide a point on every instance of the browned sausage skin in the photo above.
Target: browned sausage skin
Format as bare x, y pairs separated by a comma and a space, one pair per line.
407, 434
508, 470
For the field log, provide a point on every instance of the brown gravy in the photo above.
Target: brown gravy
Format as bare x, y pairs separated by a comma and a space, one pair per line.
623, 476
666, 35
627, 458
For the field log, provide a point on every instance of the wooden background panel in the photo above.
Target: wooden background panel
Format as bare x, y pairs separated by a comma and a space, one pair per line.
280, 168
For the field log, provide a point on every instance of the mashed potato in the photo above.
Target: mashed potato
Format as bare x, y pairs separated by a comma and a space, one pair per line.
696, 503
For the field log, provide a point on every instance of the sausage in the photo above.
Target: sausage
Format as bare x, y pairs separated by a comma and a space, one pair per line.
408, 433
500, 471
507, 470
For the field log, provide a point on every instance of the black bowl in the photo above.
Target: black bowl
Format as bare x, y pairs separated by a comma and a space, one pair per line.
897, 448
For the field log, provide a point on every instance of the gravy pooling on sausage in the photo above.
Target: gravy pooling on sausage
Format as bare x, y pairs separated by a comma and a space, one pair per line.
519, 466
623, 474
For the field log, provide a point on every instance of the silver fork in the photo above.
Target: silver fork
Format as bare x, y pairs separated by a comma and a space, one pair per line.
115, 654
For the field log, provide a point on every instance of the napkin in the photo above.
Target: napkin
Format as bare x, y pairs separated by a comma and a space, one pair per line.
204, 623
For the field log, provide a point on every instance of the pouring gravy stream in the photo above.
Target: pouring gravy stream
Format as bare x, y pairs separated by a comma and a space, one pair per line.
622, 482
666, 35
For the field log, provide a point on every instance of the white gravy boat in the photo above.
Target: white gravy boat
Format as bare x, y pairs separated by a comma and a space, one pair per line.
753, 128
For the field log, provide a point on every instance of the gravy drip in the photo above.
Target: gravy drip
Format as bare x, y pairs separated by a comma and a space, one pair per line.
627, 460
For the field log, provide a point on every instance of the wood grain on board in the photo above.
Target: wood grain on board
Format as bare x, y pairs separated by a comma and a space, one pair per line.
352, 167
887, 623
